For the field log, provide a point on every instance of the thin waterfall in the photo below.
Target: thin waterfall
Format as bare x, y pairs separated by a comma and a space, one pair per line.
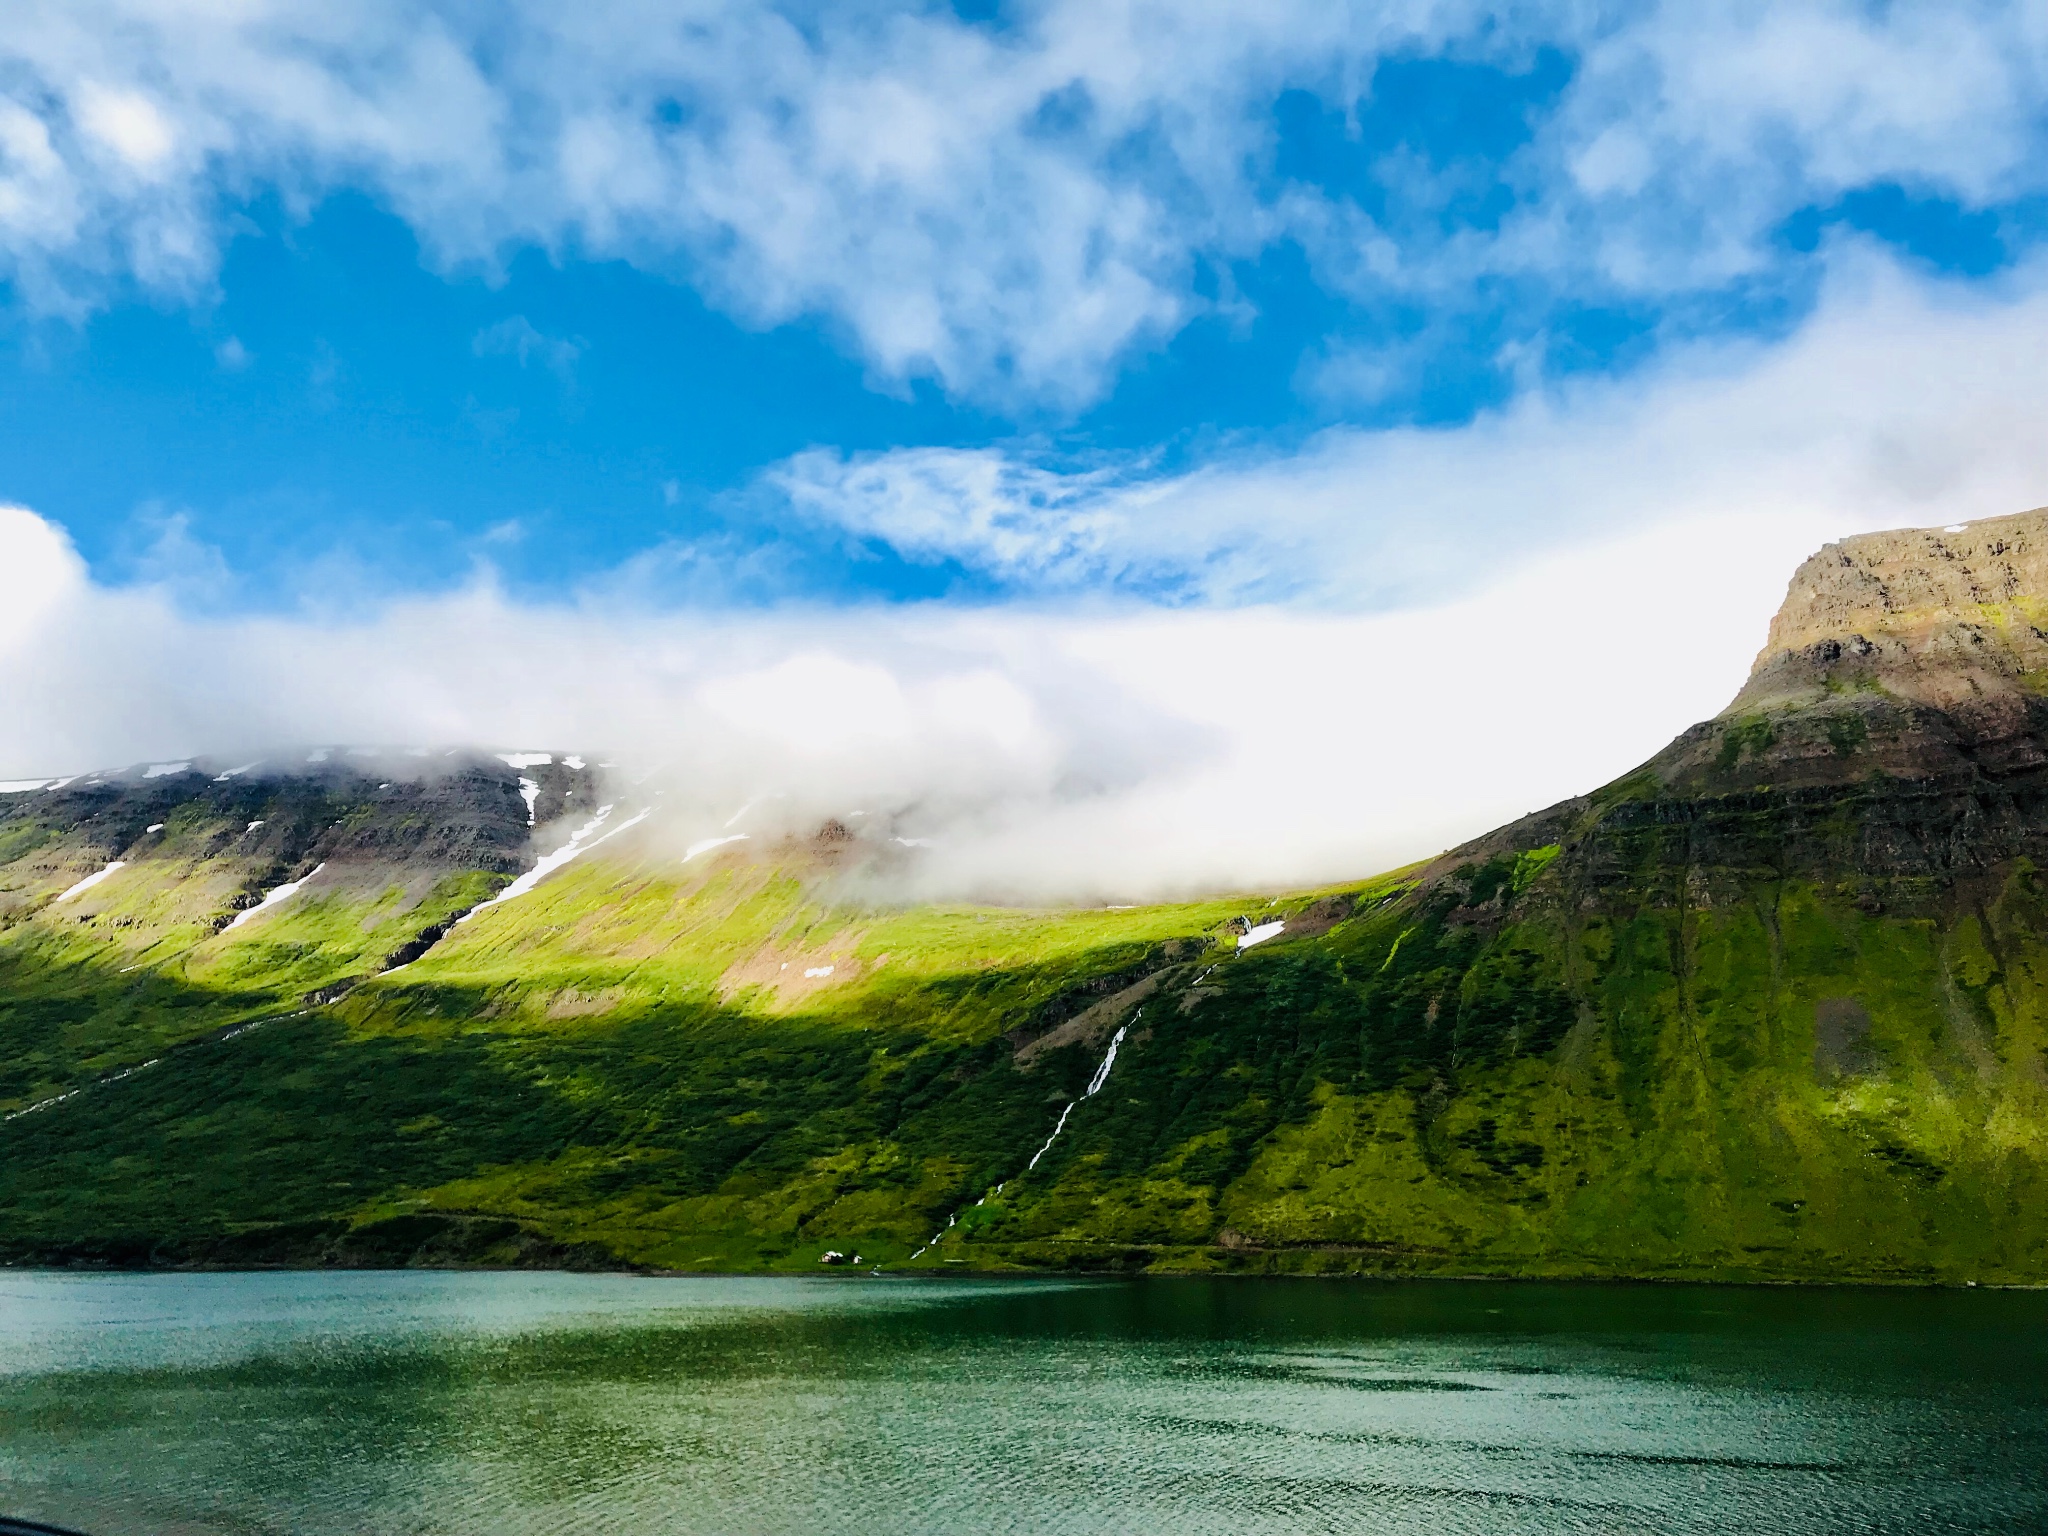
1102, 1072
1094, 1087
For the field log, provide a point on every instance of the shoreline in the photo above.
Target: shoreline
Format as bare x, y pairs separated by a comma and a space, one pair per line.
866, 1274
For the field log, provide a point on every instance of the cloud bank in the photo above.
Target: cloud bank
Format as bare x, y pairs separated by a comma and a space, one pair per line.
1045, 755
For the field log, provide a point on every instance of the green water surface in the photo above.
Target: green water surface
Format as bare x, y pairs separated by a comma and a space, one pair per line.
515, 1403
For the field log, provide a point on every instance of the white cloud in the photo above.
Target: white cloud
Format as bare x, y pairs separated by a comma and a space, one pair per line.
43, 577
1042, 754
1834, 92
128, 123
1898, 402
1009, 209
1695, 134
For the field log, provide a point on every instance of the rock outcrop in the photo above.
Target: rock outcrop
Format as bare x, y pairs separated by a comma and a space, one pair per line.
1892, 734
234, 830
1938, 616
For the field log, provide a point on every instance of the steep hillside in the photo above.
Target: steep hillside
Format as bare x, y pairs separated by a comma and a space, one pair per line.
1770, 1006
144, 907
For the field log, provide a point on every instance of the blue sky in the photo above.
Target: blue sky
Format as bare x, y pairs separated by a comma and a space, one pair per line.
285, 353
1152, 447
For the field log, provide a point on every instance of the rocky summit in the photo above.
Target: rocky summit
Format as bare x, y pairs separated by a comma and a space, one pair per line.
1770, 1006
1894, 726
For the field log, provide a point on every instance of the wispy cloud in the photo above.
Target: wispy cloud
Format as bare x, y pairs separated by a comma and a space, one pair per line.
1006, 209
990, 510
1900, 401
518, 337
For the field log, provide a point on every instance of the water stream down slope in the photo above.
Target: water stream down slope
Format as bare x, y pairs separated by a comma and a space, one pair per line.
1094, 1087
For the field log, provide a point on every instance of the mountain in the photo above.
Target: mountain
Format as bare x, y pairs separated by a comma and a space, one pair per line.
1768, 1007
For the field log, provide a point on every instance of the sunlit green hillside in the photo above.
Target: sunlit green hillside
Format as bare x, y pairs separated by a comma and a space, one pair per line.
673, 1065
1774, 1005
720, 1066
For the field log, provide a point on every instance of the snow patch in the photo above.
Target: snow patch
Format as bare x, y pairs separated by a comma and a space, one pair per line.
159, 770
251, 828
23, 786
705, 845
912, 842
573, 762
526, 759
270, 899
812, 973
1260, 934
92, 880
580, 842
529, 791
1955, 527
222, 778
154, 826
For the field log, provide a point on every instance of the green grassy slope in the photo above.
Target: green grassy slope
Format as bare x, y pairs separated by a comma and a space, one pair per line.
1773, 1006
1601, 1094
1489, 1073
139, 964
582, 1059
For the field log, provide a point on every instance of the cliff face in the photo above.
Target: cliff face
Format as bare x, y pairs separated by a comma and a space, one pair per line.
1941, 616
1892, 734
1918, 655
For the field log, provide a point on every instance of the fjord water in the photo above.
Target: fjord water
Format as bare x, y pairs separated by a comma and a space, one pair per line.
515, 1403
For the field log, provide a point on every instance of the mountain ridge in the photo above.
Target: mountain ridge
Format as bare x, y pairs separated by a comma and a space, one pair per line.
1772, 1005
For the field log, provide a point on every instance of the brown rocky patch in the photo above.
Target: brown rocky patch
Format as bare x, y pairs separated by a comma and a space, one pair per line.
790, 973
1093, 1024
1320, 916
573, 1003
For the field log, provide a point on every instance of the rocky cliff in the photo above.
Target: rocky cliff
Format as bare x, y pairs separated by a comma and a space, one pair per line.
1941, 617
1892, 734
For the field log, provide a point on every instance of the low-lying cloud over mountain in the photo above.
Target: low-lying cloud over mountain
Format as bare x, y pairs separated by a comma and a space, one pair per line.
1120, 753
1098, 748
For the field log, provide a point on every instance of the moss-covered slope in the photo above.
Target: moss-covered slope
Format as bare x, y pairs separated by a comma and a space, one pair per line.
1772, 1006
